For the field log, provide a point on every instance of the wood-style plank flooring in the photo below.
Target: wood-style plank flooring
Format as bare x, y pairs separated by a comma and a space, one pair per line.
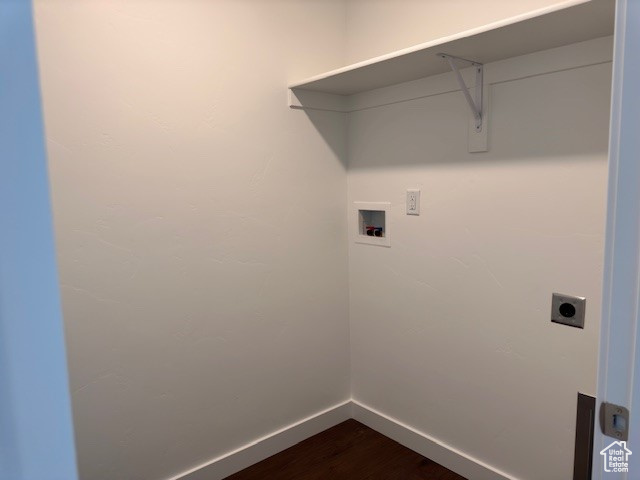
348, 451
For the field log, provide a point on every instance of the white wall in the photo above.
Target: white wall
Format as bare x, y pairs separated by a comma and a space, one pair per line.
203, 249
36, 435
200, 224
376, 27
450, 329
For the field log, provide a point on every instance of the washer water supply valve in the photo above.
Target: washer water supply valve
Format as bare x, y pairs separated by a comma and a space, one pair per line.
373, 231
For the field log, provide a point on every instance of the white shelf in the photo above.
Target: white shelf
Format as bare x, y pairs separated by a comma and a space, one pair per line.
561, 24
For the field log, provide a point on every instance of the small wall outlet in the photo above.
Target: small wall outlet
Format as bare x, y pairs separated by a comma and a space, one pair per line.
568, 310
413, 202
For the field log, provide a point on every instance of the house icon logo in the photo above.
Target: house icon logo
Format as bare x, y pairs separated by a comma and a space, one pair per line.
616, 457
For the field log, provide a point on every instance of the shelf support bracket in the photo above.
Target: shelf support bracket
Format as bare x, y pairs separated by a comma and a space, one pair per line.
475, 105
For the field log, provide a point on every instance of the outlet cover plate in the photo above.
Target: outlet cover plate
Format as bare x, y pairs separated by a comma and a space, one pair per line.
413, 201
568, 310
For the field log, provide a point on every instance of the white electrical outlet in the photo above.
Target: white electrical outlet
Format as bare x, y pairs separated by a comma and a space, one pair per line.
413, 202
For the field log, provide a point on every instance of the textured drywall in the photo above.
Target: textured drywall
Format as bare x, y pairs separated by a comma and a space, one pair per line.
377, 27
203, 245
450, 328
200, 224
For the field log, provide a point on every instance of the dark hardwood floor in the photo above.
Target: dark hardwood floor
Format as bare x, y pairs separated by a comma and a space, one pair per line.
348, 451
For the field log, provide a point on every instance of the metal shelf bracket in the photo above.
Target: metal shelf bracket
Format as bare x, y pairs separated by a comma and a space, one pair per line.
475, 105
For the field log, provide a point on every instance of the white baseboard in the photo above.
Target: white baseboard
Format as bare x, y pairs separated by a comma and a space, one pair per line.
425, 445
264, 447
256, 451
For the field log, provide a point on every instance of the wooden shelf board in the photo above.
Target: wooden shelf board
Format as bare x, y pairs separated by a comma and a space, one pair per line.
561, 24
